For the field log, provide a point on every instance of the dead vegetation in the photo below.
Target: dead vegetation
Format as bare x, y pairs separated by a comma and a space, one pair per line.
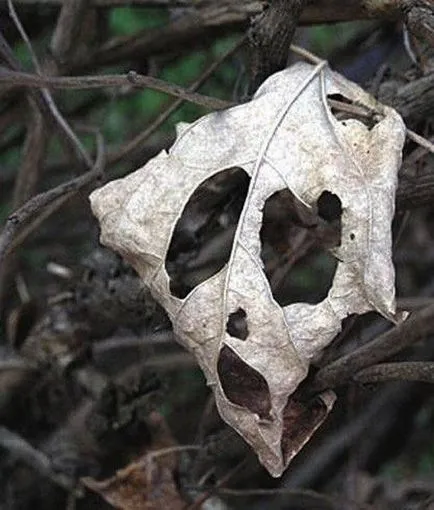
98, 404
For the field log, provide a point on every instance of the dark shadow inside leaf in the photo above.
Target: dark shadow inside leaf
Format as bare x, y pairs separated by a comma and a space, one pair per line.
343, 109
242, 384
236, 325
300, 420
202, 240
296, 241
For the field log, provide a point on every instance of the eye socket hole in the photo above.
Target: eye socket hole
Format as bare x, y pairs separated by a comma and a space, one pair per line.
296, 243
202, 240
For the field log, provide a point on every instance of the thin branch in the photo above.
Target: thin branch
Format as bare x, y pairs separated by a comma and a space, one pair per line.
14, 16
423, 142
18, 447
28, 80
296, 497
110, 3
37, 206
219, 484
33, 155
375, 416
17, 365
162, 452
422, 371
137, 142
18, 79
306, 54
128, 342
364, 112
318, 11
192, 29
25, 186
35, 222
418, 326
69, 31
48, 99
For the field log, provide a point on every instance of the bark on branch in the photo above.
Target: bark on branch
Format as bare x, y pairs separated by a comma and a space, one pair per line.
318, 11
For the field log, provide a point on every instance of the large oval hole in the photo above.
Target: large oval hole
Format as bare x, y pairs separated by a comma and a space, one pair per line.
242, 384
203, 236
295, 246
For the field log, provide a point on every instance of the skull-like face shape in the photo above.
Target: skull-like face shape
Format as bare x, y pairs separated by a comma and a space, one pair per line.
285, 138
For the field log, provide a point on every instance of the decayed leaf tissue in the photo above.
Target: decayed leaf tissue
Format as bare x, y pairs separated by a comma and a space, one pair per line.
286, 137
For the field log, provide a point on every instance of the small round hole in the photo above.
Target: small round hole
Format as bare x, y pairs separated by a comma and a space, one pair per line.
237, 325
329, 206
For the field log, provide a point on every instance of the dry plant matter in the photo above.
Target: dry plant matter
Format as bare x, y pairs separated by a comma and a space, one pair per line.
286, 137
267, 231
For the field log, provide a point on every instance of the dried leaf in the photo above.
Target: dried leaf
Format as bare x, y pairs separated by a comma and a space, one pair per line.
148, 483
144, 485
253, 352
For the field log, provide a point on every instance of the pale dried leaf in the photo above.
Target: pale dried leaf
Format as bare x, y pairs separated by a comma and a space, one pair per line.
144, 485
286, 137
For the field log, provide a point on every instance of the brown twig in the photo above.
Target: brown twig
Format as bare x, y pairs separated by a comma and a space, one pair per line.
18, 79
110, 3
361, 111
417, 327
132, 145
66, 35
33, 158
17, 364
420, 140
38, 205
297, 497
219, 484
377, 417
192, 29
422, 371
19, 448
34, 152
48, 101
317, 11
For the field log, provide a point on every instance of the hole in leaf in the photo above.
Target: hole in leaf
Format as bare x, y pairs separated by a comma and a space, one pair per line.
242, 384
237, 324
295, 246
202, 240
343, 108
329, 206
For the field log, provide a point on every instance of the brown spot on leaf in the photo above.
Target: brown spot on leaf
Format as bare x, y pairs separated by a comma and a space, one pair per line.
301, 419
